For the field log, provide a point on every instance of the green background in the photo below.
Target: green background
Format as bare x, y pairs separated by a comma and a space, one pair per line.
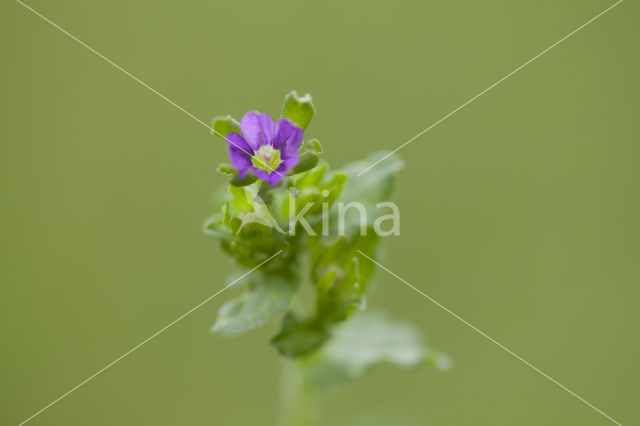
519, 213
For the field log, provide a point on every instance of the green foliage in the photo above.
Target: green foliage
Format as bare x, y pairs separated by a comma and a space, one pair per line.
319, 281
367, 340
369, 189
377, 183
298, 109
228, 170
299, 337
313, 145
264, 297
222, 126
308, 160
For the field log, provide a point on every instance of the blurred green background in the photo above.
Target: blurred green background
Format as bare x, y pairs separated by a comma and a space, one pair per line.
520, 212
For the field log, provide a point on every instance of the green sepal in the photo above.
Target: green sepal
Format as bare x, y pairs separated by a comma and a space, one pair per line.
307, 161
298, 109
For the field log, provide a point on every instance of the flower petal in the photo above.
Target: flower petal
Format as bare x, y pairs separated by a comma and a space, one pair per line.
240, 162
262, 175
272, 178
288, 138
282, 170
288, 163
275, 177
236, 142
239, 153
257, 129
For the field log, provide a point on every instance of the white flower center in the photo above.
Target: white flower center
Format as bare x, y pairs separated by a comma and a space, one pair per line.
267, 158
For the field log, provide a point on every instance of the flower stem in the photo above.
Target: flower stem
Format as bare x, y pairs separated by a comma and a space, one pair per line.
298, 401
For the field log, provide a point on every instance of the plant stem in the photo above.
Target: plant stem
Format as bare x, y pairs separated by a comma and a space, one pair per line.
298, 401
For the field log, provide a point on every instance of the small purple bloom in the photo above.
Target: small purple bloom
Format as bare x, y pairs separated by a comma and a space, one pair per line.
266, 149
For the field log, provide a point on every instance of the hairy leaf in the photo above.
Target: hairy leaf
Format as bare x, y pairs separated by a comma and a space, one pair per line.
266, 296
364, 341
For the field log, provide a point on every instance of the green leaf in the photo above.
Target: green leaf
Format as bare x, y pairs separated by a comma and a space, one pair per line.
226, 169
240, 201
262, 214
298, 338
362, 342
312, 145
298, 109
341, 293
247, 180
247, 213
229, 170
308, 160
369, 189
312, 178
214, 225
267, 295
334, 186
341, 253
222, 126
376, 184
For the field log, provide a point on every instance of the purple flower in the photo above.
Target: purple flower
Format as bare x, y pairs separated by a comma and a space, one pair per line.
266, 149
